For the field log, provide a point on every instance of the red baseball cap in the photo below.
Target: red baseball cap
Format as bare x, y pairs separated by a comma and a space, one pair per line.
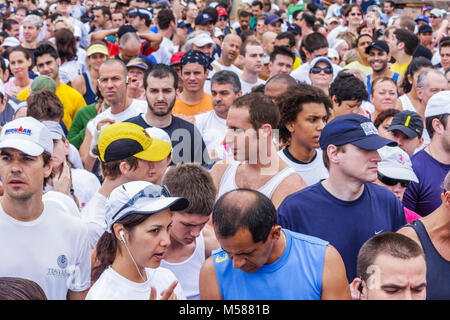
222, 12
176, 58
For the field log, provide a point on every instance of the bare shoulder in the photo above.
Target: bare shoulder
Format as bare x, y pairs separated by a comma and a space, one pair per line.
410, 233
288, 186
210, 239
218, 170
335, 285
208, 283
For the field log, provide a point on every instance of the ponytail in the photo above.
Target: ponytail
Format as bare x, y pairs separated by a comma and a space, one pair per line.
105, 254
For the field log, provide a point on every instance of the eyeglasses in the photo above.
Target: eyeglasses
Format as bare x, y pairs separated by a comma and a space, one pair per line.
151, 191
355, 14
317, 70
392, 182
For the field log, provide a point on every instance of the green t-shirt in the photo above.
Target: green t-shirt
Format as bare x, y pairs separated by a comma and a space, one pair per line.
78, 128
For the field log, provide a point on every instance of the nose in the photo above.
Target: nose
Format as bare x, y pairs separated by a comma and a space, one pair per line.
375, 156
195, 232
238, 262
165, 239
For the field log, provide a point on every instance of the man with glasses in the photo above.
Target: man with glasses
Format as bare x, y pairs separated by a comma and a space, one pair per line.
432, 163
436, 18
431, 233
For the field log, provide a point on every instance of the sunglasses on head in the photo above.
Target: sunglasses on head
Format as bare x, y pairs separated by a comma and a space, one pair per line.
151, 191
392, 182
317, 70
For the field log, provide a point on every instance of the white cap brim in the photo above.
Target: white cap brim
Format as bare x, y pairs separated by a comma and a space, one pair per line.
23, 145
398, 173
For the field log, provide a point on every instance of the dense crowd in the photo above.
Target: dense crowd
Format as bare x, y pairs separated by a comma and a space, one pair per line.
254, 150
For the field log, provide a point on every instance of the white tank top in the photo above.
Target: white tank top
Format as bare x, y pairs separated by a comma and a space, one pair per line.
406, 103
188, 271
228, 181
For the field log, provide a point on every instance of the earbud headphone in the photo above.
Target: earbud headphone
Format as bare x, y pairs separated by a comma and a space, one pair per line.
122, 236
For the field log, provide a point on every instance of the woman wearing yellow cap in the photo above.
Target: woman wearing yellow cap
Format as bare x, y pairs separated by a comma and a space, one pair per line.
86, 83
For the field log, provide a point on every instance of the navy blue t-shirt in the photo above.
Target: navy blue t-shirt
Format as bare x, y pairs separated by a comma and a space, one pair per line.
425, 197
345, 224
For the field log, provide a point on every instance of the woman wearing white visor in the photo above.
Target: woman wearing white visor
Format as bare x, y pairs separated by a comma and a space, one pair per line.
129, 253
395, 173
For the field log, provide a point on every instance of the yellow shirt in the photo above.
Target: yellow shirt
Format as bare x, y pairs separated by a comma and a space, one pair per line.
71, 99
297, 63
204, 105
358, 66
400, 68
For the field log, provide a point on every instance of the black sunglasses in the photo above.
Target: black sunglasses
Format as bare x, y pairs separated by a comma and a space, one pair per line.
223, 18
151, 191
392, 182
317, 70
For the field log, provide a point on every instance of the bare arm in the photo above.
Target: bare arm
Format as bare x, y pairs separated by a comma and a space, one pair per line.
73, 295
289, 185
154, 38
208, 284
79, 85
102, 34
88, 161
335, 285
210, 239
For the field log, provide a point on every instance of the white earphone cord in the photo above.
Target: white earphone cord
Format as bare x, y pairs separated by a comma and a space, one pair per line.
137, 268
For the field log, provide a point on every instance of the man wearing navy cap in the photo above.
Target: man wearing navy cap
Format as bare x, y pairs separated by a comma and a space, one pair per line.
273, 23
205, 22
422, 20
141, 19
347, 208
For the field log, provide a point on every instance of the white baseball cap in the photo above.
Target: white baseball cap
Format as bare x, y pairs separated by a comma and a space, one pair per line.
140, 197
11, 42
438, 104
27, 135
396, 164
202, 39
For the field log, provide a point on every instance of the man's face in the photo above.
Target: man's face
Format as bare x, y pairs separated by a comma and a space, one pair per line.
150, 171
283, 43
206, 49
358, 164
246, 255
387, 8
434, 84
281, 65
346, 107
130, 51
64, 8
260, 27
22, 175
425, 38
254, 58
306, 129
15, 31
19, 16
378, 59
161, 95
222, 97
192, 10
99, 18
230, 48
435, 22
363, 43
208, 27
397, 279
269, 44
322, 52
409, 145
194, 76
117, 20
354, 17
256, 11
48, 66
276, 27
244, 23
30, 32
186, 227
241, 136
445, 57
275, 89
112, 83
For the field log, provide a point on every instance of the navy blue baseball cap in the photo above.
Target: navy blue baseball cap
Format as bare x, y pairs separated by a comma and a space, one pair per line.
202, 19
355, 129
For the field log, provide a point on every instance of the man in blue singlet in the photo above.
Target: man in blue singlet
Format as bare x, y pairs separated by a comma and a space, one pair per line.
261, 261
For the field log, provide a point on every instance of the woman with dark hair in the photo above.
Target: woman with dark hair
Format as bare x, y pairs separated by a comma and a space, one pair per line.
19, 63
409, 100
66, 45
129, 253
20, 289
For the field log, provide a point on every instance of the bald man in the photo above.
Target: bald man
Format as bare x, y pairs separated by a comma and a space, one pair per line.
230, 51
279, 84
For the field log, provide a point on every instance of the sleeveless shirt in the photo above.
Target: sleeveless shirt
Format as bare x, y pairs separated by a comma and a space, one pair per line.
228, 181
188, 271
89, 96
438, 269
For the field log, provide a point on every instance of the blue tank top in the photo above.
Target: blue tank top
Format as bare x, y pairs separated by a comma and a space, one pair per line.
438, 269
296, 275
90, 96
369, 85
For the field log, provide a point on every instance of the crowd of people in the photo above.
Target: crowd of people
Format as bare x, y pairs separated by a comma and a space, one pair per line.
253, 150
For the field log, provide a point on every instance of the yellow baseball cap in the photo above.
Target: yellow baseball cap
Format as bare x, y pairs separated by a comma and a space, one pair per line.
97, 48
121, 140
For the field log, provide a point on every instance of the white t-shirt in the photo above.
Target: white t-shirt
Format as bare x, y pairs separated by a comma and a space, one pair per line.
64, 201
69, 70
94, 215
136, 107
85, 185
311, 172
113, 286
165, 51
247, 87
50, 250
213, 130
216, 67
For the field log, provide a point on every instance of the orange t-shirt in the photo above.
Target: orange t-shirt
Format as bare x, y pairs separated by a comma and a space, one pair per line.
204, 105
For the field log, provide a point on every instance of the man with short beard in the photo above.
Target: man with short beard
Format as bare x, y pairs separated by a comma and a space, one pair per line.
161, 84
378, 58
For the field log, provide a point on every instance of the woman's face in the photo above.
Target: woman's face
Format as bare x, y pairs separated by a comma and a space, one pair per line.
149, 240
342, 49
96, 60
383, 128
60, 152
19, 64
323, 78
384, 96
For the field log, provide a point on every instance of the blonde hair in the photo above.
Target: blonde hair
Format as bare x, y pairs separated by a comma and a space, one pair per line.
65, 21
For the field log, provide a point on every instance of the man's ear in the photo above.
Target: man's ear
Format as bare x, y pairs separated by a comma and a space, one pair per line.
356, 288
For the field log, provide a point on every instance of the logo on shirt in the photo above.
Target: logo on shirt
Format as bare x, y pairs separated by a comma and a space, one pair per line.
20, 130
62, 261
61, 272
221, 257
369, 128
378, 232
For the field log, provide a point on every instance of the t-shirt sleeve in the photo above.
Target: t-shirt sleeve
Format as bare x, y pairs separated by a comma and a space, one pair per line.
400, 220
283, 214
410, 197
81, 276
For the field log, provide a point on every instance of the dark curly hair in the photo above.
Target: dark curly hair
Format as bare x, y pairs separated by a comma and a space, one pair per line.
291, 104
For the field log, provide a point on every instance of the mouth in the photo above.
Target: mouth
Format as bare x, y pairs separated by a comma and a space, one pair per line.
159, 256
16, 182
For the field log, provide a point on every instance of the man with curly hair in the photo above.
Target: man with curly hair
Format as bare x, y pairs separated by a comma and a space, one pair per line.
304, 112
